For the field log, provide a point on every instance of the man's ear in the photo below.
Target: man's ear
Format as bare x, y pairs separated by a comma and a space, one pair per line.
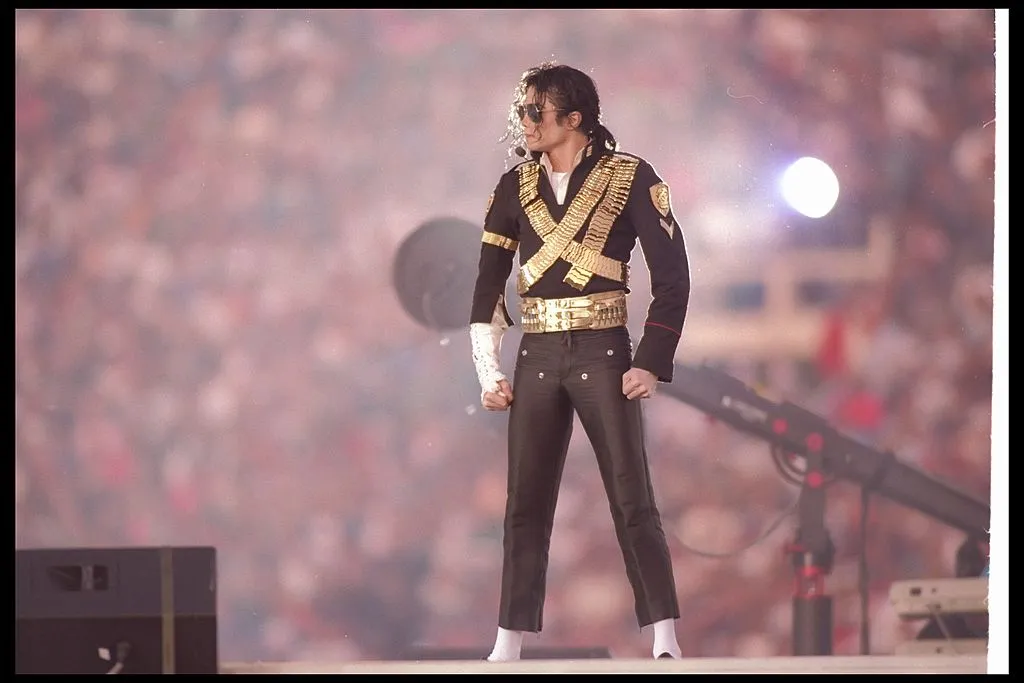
575, 118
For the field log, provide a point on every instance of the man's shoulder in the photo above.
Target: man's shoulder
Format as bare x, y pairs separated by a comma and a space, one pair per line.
517, 169
629, 155
644, 168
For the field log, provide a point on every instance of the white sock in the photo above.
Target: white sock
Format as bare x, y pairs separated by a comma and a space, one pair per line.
665, 638
508, 645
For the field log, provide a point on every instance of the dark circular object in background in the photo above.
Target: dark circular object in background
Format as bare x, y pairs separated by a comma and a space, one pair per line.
434, 272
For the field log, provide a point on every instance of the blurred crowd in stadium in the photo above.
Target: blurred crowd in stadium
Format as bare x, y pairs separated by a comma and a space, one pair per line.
209, 349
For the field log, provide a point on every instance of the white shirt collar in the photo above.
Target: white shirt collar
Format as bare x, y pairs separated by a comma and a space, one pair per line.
546, 162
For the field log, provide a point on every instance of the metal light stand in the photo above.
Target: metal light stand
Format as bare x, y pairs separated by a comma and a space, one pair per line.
812, 553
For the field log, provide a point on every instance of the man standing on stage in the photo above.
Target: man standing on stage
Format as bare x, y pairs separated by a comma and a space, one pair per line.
574, 209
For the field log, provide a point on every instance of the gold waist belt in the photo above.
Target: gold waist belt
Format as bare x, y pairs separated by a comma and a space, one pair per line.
591, 312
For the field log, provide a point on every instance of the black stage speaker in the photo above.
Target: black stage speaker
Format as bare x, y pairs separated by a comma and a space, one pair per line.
137, 610
472, 653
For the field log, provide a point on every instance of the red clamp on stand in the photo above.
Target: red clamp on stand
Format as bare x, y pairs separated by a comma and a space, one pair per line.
812, 554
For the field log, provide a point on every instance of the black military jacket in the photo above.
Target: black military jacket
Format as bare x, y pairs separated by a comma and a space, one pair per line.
583, 246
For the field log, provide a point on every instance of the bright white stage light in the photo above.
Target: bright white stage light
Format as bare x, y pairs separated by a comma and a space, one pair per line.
810, 186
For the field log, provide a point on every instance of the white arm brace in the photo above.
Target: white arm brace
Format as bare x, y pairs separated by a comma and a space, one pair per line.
486, 341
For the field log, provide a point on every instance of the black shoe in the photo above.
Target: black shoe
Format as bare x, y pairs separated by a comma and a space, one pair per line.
666, 655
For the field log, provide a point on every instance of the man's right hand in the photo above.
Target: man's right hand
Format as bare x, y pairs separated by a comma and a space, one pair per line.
498, 400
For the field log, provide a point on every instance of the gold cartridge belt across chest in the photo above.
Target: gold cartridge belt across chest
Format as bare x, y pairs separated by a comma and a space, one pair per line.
591, 312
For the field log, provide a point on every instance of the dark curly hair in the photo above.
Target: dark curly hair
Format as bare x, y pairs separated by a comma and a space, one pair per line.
569, 90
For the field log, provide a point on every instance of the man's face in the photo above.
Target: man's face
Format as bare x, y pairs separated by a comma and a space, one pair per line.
544, 134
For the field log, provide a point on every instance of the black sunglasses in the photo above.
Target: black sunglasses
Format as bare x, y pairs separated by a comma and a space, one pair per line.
532, 111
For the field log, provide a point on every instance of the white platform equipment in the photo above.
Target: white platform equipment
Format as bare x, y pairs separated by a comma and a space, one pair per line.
925, 598
939, 600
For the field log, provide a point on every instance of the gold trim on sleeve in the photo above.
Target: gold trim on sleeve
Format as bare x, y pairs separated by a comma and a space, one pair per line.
497, 240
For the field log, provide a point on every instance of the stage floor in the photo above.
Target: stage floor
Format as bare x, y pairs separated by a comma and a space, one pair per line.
943, 664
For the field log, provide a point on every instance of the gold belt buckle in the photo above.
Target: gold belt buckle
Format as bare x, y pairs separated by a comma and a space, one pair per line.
560, 315
581, 313
572, 313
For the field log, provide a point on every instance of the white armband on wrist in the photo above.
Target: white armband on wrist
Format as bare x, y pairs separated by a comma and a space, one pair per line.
486, 342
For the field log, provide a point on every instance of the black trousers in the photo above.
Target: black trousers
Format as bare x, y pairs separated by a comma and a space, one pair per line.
557, 373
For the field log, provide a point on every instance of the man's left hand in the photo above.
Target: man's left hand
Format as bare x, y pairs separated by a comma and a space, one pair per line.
638, 383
